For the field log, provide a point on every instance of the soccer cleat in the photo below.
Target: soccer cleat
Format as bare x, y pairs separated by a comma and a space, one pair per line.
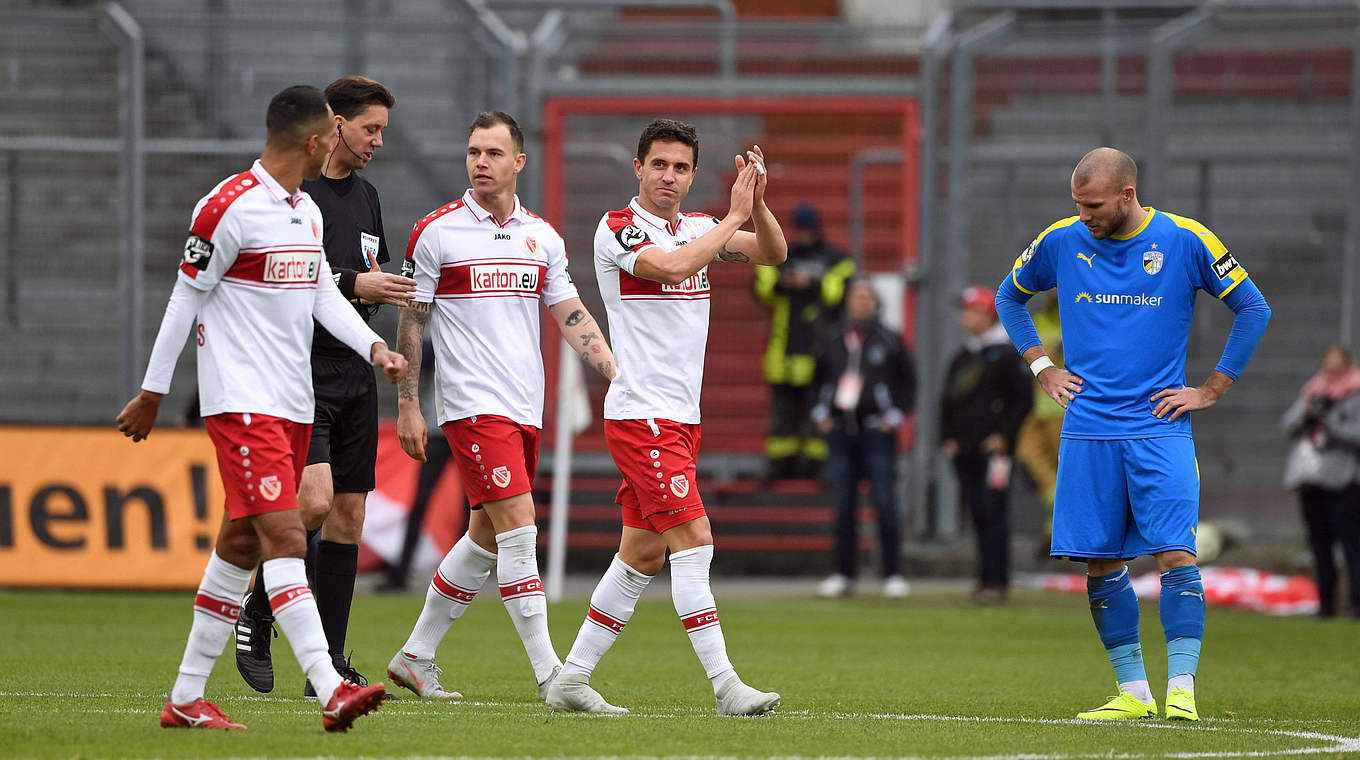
419, 675
833, 586
572, 693
1180, 705
543, 687
199, 713
736, 698
896, 587
1122, 706
253, 635
350, 701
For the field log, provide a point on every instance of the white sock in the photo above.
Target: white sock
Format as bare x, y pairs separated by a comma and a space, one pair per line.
215, 609
610, 608
522, 592
1139, 689
294, 608
1183, 681
461, 574
694, 603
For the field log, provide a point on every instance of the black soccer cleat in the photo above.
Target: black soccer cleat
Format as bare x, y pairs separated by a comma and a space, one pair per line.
253, 638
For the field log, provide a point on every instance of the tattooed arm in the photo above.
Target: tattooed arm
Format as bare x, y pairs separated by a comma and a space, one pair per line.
411, 429
584, 336
766, 245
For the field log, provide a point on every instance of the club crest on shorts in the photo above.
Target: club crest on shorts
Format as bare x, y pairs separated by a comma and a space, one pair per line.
680, 486
270, 487
501, 476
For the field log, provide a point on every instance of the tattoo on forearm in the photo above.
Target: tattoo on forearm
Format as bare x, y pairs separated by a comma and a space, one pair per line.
586, 338
735, 257
605, 368
575, 317
410, 331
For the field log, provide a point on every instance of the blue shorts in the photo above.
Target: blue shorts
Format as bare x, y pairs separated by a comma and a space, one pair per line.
1121, 499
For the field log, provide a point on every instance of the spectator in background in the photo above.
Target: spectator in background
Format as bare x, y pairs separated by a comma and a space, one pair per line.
987, 395
1324, 465
804, 296
865, 383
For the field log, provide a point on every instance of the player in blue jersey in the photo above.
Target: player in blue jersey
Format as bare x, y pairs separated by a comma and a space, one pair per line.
1128, 484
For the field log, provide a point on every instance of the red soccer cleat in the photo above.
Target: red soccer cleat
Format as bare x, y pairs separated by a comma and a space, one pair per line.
349, 701
199, 713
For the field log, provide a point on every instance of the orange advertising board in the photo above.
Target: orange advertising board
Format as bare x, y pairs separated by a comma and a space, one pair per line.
86, 507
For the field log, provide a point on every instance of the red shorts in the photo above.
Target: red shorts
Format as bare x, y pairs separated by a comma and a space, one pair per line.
656, 458
261, 459
496, 456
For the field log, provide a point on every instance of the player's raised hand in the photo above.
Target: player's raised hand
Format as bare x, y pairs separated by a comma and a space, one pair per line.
412, 433
1060, 385
137, 418
390, 362
380, 287
757, 157
743, 191
1178, 401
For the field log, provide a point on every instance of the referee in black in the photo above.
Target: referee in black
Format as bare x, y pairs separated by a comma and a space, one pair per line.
343, 453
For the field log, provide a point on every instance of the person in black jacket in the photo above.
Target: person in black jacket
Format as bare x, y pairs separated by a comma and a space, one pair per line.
986, 398
865, 385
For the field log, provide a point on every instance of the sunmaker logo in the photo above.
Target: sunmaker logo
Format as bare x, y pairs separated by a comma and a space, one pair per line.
1120, 299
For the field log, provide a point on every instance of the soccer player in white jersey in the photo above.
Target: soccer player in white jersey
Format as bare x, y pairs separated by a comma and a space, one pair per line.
652, 263
481, 265
254, 275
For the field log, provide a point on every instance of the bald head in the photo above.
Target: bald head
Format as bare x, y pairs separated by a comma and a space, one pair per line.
1110, 167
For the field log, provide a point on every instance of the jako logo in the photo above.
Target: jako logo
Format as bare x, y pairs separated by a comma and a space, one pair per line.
504, 277
1121, 299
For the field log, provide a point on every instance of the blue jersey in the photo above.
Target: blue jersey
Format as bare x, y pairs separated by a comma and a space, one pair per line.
1126, 304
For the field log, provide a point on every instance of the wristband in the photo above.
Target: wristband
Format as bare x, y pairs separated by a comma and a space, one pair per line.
1040, 364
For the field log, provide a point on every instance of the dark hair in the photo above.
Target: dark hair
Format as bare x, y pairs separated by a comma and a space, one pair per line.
350, 95
668, 130
488, 119
1337, 348
294, 110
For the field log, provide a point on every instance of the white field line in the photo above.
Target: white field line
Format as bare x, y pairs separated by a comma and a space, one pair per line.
1332, 743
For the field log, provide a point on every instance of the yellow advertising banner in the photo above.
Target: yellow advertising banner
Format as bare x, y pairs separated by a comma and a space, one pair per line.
88, 508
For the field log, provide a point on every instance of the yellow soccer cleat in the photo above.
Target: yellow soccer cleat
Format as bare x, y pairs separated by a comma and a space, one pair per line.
1123, 706
1180, 705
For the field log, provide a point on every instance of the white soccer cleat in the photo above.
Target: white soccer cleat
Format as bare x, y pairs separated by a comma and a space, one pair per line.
419, 675
543, 687
572, 693
896, 587
833, 586
736, 698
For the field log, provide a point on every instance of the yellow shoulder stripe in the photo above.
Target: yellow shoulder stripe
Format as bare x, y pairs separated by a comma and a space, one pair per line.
1210, 240
1054, 226
1018, 259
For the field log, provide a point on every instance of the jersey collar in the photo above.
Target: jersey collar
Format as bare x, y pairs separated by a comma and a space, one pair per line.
482, 215
653, 219
273, 187
1130, 236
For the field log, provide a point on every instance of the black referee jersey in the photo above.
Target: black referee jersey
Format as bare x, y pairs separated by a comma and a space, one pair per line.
353, 238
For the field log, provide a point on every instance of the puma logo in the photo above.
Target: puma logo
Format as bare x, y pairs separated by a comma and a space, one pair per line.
1087, 259
1198, 594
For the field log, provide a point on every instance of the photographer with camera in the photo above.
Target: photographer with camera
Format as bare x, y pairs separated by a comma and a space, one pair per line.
1324, 465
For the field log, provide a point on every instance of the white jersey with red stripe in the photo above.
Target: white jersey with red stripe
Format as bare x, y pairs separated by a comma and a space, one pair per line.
485, 278
256, 251
659, 332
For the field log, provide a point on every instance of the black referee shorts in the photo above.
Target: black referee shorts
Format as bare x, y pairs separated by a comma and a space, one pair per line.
345, 432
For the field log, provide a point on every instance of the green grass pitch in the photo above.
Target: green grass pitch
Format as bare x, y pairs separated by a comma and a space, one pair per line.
84, 675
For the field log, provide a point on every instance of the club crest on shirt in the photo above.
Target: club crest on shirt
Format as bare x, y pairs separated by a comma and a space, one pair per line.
316, 229
680, 486
531, 245
270, 487
501, 476
1152, 261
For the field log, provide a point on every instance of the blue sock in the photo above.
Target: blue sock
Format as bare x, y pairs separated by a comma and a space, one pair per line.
1182, 612
1114, 608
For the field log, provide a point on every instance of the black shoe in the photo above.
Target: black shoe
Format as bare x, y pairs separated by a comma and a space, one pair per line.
253, 635
346, 672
